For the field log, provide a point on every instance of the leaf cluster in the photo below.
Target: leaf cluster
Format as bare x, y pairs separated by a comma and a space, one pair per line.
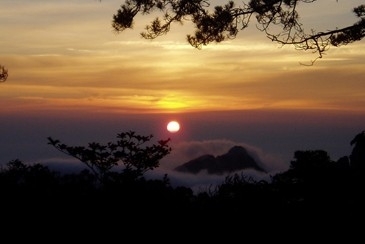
278, 19
130, 150
3, 73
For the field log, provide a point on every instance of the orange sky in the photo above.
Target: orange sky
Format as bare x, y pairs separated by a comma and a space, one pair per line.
72, 78
64, 55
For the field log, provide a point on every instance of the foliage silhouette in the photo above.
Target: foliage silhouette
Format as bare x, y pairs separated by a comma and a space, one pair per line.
3, 73
326, 190
315, 190
357, 157
128, 150
227, 20
29, 177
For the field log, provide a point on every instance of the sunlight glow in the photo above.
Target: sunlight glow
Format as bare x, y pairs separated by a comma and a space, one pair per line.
74, 68
173, 126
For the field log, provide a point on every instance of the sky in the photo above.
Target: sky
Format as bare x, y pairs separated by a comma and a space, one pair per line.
73, 78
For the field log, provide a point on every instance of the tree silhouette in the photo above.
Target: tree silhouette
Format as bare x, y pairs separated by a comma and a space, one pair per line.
32, 180
315, 191
227, 20
312, 167
3, 73
357, 157
127, 150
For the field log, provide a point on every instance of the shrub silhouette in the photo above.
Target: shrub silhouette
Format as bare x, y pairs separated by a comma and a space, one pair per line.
33, 179
321, 188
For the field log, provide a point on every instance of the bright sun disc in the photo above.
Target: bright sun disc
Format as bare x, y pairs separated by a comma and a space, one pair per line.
173, 126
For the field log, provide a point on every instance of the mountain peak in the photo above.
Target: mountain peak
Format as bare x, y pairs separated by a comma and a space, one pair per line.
237, 158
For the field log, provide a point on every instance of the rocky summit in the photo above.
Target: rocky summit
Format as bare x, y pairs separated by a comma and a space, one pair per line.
237, 158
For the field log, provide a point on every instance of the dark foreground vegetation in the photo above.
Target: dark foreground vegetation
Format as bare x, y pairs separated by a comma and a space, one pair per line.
315, 190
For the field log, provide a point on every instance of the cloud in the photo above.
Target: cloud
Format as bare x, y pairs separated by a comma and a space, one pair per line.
183, 152
187, 150
202, 182
63, 165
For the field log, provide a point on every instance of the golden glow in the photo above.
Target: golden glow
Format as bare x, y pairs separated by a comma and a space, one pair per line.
174, 103
64, 65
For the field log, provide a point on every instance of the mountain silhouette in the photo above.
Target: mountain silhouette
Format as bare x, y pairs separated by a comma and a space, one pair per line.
237, 158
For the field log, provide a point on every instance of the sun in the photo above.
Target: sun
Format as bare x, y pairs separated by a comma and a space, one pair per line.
173, 126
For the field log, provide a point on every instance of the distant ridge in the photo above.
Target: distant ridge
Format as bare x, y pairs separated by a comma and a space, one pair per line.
237, 158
